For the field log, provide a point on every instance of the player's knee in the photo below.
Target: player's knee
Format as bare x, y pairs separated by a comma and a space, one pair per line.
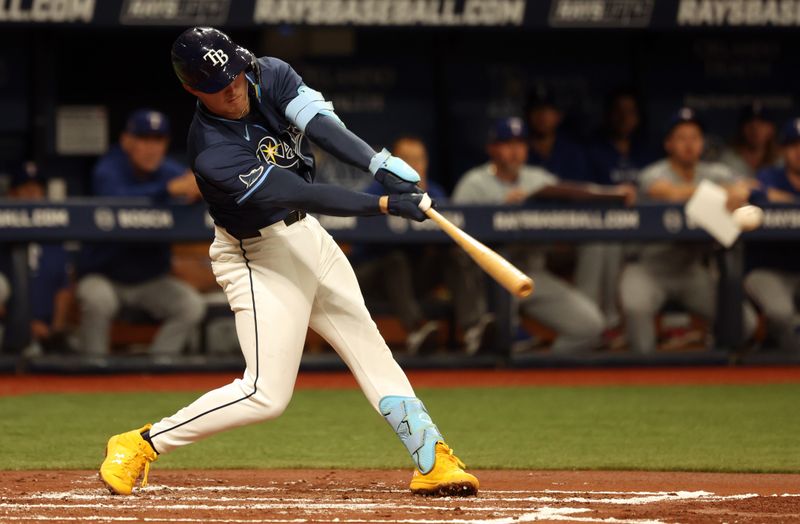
636, 302
589, 323
96, 294
268, 407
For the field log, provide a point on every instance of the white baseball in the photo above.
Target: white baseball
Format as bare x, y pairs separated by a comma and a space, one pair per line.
748, 217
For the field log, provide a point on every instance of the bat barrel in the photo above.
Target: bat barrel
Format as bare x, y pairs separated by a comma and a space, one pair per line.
500, 269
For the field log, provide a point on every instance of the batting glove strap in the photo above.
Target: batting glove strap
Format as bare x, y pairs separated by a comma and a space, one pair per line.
410, 420
396, 166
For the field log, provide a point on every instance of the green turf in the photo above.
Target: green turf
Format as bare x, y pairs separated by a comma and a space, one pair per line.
712, 428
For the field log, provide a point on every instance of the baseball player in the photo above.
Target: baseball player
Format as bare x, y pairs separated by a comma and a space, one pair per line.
281, 271
774, 279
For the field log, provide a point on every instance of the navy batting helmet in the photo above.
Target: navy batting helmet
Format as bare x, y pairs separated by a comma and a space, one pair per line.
207, 59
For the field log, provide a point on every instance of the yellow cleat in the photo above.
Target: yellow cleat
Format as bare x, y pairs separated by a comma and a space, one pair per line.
447, 478
127, 456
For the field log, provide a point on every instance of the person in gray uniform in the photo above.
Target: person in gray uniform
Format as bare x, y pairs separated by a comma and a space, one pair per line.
505, 179
676, 271
774, 279
754, 147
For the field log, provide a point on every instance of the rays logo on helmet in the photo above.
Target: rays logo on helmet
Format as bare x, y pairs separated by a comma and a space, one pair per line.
216, 56
276, 152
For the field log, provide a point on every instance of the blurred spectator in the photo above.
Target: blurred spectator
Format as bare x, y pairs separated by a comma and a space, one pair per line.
415, 271
5, 293
136, 275
621, 150
616, 157
549, 148
775, 280
505, 179
674, 271
754, 146
51, 293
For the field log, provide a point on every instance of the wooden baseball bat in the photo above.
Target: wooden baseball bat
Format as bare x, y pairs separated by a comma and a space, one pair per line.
500, 269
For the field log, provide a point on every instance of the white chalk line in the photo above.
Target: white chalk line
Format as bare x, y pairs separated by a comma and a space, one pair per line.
370, 503
545, 513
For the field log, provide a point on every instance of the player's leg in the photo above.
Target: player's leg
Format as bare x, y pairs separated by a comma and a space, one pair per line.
773, 292
340, 316
641, 296
467, 284
99, 303
575, 318
698, 293
597, 271
270, 284
177, 304
399, 291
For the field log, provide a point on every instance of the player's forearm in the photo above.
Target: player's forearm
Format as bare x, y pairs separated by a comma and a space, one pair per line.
340, 142
107, 184
285, 189
671, 192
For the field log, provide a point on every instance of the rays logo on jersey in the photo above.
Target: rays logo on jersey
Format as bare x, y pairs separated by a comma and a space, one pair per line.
252, 177
276, 152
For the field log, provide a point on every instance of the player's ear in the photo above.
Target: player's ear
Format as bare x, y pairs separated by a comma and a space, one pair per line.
190, 89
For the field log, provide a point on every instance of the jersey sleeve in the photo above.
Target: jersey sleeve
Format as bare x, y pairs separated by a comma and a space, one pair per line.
722, 174
469, 190
236, 173
650, 175
281, 81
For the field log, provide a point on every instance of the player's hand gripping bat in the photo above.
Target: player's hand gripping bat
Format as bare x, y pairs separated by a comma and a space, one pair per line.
500, 269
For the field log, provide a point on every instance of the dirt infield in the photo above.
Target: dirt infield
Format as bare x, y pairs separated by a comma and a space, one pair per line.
23, 384
286, 496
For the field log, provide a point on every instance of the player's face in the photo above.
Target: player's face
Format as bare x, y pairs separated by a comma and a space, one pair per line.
510, 155
758, 133
624, 116
415, 154
146, 153
544, 120
791, 155
230, 102
685, 143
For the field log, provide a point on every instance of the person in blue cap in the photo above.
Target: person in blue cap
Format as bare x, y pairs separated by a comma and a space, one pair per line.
755, 146
675, 271
506, 179
137, 275
774, 280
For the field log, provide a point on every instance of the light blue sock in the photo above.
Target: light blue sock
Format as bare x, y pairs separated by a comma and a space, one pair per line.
410, 420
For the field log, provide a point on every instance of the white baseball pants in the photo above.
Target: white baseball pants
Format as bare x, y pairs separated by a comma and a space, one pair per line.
278, 285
